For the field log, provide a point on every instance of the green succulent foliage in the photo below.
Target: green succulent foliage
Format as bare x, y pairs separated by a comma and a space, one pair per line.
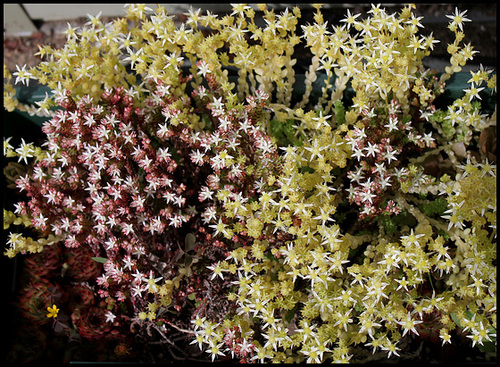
389, 224
446, 124
393, 223
284, 132
434, 208
339, 110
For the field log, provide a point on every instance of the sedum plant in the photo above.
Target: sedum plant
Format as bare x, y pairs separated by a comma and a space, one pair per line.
209, 193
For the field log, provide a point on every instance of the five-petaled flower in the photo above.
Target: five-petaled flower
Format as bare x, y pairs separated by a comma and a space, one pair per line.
53, 311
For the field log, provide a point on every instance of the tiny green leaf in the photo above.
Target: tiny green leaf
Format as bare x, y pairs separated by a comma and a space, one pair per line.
101, 260
189, 242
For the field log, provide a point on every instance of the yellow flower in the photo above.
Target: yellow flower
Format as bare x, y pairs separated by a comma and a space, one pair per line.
53, 311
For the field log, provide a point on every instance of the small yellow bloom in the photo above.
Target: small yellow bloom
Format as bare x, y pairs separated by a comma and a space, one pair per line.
53, 311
